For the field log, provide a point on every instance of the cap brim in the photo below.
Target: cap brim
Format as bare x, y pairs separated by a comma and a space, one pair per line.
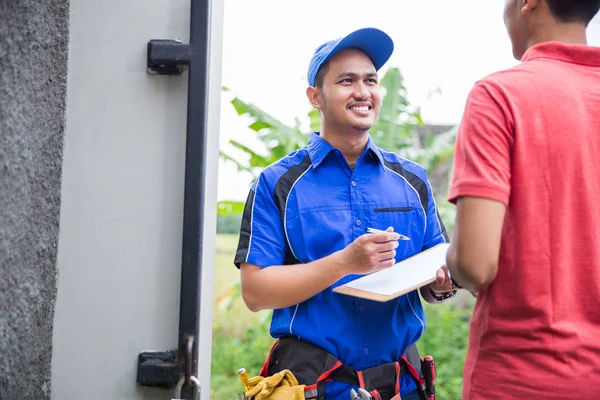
374, 42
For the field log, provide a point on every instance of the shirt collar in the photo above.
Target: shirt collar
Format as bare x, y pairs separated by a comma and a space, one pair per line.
573, 53
318, 149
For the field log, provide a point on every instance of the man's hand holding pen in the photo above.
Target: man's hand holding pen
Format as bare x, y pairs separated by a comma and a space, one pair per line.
370, 253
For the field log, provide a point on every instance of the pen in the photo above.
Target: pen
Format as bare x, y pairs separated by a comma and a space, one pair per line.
373, 230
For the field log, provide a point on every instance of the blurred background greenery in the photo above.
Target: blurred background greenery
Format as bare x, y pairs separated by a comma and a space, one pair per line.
241, 338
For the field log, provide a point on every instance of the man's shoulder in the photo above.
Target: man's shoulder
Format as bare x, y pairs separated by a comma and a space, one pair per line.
275, 171
518, 77
400, 164
408, 169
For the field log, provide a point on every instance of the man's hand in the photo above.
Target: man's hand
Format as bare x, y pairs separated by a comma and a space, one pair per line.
442, 282
370, 252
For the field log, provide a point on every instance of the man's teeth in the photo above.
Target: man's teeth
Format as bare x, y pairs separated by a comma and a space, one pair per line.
361, 108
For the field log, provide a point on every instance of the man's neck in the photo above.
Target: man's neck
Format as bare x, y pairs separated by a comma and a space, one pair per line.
351, 143
568, 32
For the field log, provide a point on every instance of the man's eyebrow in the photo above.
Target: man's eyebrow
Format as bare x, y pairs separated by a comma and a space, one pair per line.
348, 74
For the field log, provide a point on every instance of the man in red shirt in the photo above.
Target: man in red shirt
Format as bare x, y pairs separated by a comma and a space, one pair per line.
526, 182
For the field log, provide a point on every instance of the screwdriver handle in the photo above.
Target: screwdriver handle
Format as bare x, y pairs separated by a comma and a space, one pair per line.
429, 374
244, 377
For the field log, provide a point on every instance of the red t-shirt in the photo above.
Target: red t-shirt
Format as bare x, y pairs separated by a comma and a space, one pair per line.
530, 138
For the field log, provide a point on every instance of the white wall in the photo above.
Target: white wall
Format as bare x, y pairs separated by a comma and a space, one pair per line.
119, 256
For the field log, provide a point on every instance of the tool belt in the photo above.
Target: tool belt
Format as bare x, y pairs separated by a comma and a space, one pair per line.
313, 367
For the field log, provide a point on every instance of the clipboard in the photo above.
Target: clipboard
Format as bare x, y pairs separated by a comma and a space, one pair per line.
405, 276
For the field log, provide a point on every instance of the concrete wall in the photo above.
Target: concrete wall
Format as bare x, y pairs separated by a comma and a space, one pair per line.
77, 304
33, 69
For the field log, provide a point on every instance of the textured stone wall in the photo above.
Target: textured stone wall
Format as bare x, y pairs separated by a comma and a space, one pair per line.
33, 74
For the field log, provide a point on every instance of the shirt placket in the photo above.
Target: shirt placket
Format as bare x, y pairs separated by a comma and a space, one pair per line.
360, 219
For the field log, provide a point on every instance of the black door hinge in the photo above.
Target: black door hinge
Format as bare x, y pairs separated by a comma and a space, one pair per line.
168, 57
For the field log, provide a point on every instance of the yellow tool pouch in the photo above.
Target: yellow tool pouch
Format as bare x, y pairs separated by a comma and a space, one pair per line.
280, 386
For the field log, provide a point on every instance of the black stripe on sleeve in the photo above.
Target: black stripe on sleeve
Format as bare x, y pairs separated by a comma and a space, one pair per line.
421, 188
414, 181
442, 227
245, 231
283, 187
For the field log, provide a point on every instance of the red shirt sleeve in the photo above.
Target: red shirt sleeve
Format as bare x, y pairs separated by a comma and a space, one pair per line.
482, 160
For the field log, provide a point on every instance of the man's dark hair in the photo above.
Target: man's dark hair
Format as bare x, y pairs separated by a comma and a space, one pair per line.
321, 74
574, 10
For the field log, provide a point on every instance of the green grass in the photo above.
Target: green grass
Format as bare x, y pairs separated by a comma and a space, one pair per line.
231, 318
241, 338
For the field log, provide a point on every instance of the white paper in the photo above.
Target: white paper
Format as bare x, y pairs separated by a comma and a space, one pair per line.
406, 275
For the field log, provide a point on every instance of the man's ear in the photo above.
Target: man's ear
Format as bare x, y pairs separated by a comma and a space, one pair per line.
527, 6
314, 97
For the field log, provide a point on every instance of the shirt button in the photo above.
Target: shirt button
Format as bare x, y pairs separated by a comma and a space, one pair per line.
366, 351
358, 222
361, 308
353, 183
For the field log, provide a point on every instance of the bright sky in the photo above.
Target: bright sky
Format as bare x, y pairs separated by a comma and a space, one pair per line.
439, 44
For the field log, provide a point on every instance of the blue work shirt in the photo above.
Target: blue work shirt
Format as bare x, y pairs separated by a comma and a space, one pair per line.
311, 204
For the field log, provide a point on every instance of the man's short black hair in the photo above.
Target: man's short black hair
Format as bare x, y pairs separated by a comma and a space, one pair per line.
574, 10
321, 74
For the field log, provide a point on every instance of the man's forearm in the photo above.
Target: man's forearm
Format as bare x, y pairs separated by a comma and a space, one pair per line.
466, 274
474, 251
283, 286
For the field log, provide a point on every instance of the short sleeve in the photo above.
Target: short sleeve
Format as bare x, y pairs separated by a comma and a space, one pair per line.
262, 240
482, 160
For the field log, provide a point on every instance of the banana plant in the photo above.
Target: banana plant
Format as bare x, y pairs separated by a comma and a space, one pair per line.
277, 139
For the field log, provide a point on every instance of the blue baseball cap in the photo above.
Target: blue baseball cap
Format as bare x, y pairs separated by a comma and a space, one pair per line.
374, 42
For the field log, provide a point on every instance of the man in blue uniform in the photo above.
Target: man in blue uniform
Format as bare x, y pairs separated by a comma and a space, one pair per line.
304, 227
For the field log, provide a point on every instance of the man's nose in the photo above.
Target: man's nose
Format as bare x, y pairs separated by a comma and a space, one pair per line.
361, 91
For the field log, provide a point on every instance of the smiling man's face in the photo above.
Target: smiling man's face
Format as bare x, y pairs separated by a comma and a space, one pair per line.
350, 96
